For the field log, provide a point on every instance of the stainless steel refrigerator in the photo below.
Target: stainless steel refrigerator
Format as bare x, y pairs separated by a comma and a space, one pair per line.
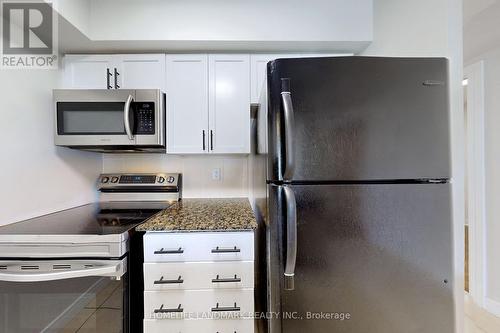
357, 201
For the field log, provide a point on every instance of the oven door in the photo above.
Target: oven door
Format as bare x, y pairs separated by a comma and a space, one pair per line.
63, 296
109, 118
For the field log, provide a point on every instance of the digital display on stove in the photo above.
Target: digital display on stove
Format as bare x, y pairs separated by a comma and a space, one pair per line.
138, 179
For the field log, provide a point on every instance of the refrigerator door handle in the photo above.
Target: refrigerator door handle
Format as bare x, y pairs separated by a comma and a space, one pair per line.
286, 97
291, 238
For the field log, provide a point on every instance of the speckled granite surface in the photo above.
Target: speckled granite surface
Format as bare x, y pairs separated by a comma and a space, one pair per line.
203, 214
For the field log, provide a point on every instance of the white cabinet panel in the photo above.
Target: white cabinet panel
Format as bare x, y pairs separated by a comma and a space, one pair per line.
198, 326
142, 71
187, 103
258, 67
199, 275
115, 71
229, 103
258, 71
198, 246
197, 303
88, 71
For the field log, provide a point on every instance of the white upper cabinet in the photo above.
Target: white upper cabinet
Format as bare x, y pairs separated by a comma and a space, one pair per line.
142, 71
229, 103
88, 71
208, 103
187, 103
130, 71
258, 69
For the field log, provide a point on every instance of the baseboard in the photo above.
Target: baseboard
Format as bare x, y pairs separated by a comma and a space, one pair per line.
487, 319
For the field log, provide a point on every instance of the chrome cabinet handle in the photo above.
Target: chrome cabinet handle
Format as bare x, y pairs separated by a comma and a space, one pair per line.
116, 79
162, 251
226, 280
162, 281
230, 250
289, 129
162, 310
108, 78
223, 309
126, 117
203, 135
291, 238
211, 140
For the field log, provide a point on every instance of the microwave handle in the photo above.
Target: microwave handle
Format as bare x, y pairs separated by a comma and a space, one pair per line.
126, 118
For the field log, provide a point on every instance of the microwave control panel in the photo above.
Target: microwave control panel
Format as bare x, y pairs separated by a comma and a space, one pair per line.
144, 118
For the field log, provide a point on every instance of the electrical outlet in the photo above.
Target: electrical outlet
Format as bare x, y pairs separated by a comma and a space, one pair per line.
217, 174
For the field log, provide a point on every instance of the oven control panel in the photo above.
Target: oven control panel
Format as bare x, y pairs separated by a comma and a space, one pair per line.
144, 180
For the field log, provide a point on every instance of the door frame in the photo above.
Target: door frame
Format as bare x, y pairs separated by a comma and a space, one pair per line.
475, 171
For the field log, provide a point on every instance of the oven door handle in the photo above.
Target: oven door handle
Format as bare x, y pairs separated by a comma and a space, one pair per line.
126, 117
114, 269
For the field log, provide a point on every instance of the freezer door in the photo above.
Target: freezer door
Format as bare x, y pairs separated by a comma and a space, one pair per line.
358, 118
370, 258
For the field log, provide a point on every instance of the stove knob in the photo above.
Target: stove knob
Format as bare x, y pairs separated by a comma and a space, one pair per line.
161, 180
105, 180
170, 179
114, 179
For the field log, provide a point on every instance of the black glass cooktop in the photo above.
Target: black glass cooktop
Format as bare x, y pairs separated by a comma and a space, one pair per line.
104, 218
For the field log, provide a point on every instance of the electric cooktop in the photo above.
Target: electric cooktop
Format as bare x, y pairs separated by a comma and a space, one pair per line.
103, 218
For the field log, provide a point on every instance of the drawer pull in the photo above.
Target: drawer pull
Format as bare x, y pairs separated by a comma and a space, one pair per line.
224, 280
161, 281
222, 309
162, 251
162, 310
230, 250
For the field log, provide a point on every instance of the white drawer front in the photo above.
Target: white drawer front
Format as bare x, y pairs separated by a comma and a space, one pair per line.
199, 275
198, 246
199, 326
198, 304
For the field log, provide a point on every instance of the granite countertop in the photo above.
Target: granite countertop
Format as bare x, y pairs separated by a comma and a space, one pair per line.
203, 214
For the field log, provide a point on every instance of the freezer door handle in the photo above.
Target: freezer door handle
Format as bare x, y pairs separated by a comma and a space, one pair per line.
286, 97
291, 238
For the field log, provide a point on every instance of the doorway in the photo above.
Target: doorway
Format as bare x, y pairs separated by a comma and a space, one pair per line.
475, 211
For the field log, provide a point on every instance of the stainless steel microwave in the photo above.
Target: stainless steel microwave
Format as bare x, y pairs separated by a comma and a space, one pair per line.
110, 120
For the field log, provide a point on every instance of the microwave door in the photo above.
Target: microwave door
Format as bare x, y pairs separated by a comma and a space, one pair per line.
90, 120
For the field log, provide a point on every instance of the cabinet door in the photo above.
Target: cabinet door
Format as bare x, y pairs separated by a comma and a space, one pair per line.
258, 65
187, 103
229, 107
88, 71
141, 71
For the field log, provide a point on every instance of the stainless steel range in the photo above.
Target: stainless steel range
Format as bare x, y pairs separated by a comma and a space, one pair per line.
71, 271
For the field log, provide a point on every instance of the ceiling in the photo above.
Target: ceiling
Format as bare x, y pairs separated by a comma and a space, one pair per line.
474, 7
481, 33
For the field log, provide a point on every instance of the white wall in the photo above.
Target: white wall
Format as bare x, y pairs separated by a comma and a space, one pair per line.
238, 20
432, 28
75, 11
491, 60
482, 42
36, 177
196, 171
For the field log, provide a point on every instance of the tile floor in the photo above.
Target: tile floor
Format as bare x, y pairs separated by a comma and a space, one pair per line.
470, 326
478, 320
